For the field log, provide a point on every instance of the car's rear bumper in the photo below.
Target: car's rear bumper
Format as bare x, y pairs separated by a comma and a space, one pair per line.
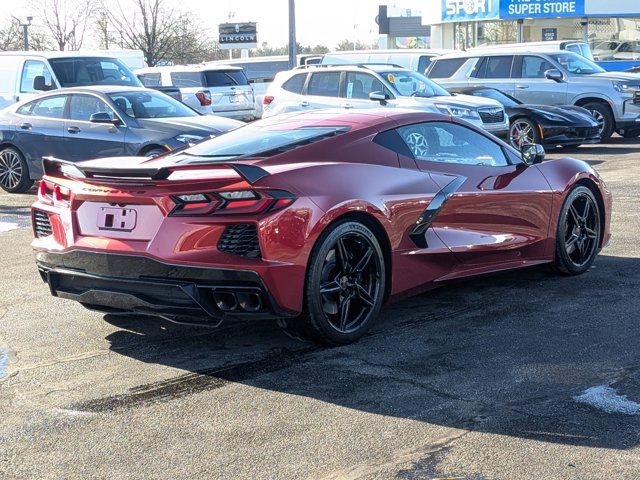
133, 283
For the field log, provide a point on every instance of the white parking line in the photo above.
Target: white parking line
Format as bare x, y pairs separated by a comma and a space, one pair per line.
606, 398
8, 226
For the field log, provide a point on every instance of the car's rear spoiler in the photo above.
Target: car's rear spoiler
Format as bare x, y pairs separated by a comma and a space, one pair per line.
56, 167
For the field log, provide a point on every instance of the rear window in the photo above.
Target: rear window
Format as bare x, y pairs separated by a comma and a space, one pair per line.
423, 63
445, 68
186, 79
150, 79
325, 84
83, 71
253, 141
295, 83
494, 67
225, 78
263, 71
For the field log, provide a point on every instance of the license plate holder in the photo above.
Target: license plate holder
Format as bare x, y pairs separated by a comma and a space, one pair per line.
119, 219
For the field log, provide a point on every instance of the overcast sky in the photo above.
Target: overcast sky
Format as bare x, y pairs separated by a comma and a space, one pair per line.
318, 22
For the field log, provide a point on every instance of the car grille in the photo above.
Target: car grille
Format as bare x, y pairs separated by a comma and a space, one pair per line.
240, 239
586, 132
41, 224
491, 115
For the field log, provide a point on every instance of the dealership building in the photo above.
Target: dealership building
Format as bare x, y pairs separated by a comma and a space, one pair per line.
469, 23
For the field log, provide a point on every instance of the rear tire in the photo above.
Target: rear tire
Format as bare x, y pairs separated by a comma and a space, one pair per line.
154, 152
578, 232
14, 171
629, 132
344, 288
602, 113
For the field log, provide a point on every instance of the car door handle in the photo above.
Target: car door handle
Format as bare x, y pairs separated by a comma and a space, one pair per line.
304, 103
522, 87
25, 126
73, 130
347, 105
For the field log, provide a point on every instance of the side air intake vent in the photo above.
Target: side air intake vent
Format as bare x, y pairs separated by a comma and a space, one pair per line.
240, 239
41, 224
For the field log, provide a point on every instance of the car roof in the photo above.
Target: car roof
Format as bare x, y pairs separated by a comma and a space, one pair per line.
375, 67
104, 89
478, 52
394, 51
58, 54
188, 68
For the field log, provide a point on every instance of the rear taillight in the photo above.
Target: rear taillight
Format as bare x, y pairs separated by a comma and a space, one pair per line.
267, 99
231, 202
53, 194
204, 97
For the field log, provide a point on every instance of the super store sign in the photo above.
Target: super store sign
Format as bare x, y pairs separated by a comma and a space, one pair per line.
469, 10
541, 8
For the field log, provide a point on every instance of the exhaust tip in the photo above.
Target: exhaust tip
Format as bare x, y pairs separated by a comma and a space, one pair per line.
250, 302
225, 301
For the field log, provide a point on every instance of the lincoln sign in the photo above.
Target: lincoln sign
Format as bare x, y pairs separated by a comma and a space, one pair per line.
238, 35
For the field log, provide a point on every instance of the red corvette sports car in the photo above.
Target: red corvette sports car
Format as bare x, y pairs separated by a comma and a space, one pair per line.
314, 218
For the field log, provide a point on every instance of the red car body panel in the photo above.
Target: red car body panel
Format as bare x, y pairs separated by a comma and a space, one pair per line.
498, 218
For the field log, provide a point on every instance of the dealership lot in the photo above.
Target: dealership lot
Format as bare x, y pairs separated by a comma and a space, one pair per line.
491, 378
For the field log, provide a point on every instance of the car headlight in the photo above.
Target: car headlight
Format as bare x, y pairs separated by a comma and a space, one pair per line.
456, 111
189, 138
551, 116
623, 87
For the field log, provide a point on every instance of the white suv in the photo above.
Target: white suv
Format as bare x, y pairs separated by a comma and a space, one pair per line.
217, 90
368, 86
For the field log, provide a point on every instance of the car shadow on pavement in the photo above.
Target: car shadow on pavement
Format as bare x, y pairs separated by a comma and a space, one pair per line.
505, 354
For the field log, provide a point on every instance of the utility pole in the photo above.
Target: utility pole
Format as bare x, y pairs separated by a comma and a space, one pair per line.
25, 32
292, 34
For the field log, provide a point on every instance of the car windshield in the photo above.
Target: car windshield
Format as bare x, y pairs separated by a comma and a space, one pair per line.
503, 98
150, 104
577, 64
85, 71
413, 84
254, 140
606, 46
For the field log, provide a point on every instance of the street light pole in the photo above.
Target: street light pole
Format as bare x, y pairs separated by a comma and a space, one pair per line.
292, 34
25, 33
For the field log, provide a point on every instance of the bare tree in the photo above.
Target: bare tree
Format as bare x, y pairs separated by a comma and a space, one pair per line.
65, 21
161, 33
11, 35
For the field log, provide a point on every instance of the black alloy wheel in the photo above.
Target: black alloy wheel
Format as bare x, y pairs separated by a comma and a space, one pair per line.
344, 289
14, 173
578, 236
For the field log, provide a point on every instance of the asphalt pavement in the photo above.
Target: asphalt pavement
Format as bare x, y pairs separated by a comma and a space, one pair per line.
515, 376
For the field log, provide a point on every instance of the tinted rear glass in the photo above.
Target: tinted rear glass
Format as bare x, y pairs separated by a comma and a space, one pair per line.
150, 79
254, 141
295, 83
263, 71
83, 71
187, 79
495, 67
446, 68
325, 84
225, 78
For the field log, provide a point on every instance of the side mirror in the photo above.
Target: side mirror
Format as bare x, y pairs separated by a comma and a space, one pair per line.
103, 117
379, 97
554, 74
532, 153
39, 83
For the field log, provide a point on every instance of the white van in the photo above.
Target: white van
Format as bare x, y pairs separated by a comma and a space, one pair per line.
209, 89
416, 59
575, 46
23, 75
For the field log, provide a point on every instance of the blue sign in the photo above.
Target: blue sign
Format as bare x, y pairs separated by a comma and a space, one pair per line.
513, 9
469, 10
